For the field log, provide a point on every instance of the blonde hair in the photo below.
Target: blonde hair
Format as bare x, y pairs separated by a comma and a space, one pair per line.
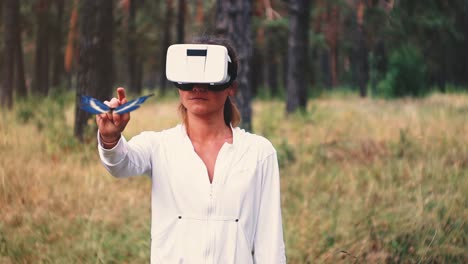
232, 115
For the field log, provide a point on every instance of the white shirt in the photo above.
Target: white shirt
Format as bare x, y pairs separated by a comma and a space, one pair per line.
234, 219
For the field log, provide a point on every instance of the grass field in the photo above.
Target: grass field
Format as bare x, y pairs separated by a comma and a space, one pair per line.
363, 181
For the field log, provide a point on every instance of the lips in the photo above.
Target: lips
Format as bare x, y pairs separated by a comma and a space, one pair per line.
198, 98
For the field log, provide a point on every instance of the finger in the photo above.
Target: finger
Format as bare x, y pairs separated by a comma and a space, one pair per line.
101, 120
115, 117
121, 95
114, 102
109, 116
124, 119
101, 116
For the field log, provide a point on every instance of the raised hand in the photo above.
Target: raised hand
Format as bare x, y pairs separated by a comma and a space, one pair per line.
111, 116
112, 124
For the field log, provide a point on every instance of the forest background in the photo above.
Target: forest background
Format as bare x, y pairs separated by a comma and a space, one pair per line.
365, 101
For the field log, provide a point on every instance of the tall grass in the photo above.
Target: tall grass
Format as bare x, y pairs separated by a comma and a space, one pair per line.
363, 181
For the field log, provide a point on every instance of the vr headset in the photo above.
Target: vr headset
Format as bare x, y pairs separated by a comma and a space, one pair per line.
189, 64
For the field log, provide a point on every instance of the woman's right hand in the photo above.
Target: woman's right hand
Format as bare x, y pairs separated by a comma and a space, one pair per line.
111, 125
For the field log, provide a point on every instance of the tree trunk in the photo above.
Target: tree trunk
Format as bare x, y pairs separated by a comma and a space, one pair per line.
166, 43
70, 51
139, 74
297, 55
380, 63
284, 70
1, 37
181, 21
1, 9
21, 89
362, 52
325, 67
200, 14
257, 76
10, 26
271, 61
105, 34
95, 69
41, 76
57, 67
464, 77
233, 20
332, 25
132, 49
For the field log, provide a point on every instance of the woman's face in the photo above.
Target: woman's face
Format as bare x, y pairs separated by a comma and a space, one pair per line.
202, 102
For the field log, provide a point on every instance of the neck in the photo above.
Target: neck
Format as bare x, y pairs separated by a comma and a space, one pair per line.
203, 129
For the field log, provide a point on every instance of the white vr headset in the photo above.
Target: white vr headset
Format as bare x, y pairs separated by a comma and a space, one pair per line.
198, 63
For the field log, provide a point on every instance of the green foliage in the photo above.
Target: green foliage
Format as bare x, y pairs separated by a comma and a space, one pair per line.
406, 75
48, 114
279, 28
103, 242
276, 35
438, 30
405, 148
454, 89
264, 93
270, 123
340, 92
285, 152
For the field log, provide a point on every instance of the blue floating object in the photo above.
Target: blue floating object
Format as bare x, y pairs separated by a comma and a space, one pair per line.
94, 106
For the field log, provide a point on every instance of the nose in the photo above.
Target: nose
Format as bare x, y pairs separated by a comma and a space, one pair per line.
199, 88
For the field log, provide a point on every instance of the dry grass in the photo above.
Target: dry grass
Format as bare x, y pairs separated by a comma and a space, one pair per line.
363, 181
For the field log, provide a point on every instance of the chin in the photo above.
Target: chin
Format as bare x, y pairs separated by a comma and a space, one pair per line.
198, 110
202, 111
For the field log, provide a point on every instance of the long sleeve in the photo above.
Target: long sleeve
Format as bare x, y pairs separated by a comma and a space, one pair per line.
127, 158
269, 244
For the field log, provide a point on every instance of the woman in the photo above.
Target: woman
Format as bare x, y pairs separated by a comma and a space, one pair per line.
215, 187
